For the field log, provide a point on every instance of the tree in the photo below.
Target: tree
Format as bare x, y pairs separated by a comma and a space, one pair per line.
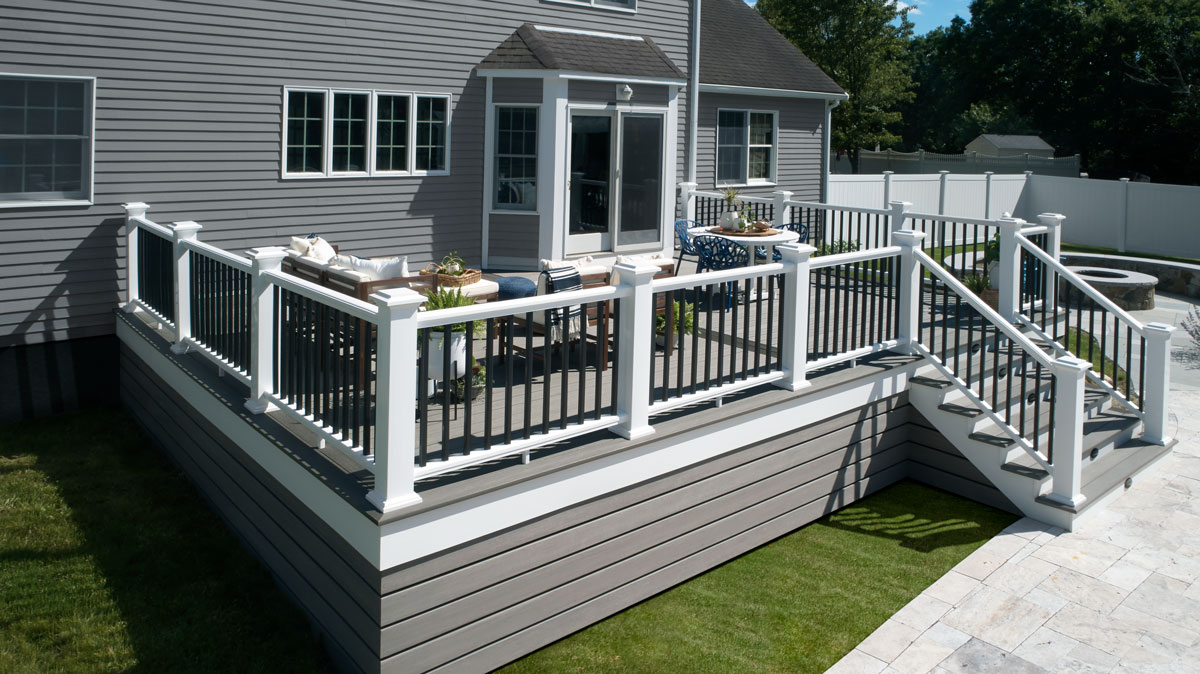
861, 45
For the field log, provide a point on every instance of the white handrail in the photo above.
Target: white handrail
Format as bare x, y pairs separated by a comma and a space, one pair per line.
855, 256
339, 301
516, 307
218, 254
837, 207
957, 219
725, 275
749, 198
164, 232
984, 310
1082, 285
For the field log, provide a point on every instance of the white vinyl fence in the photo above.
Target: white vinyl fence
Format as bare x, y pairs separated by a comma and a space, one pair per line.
1123, 215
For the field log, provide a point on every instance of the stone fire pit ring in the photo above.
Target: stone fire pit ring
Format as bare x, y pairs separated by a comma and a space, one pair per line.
1130, 290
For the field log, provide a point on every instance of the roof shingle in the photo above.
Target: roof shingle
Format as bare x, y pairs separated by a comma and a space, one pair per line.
540, 48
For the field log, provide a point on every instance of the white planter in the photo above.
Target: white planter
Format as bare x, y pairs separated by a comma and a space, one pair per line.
458, 355
730, 220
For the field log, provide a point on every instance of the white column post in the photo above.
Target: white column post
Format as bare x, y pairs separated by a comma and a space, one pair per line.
132, 210
1053, 224
782, 210
1067, 464
793, 352
887, 188
1009, 282
899, 215
395, 399
1124, 235
910, 286
184, 231
635, 348
687, 200
987, 194
262, 337
942, 177
1158, 382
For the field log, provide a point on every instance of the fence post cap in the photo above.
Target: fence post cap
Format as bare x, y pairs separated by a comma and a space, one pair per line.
1011, 224
186, 229
944, 173
267, 253
397, 297
688, 186
900, 205
635, 273
786, 194
1125, 180
1051, 219
795, 252
1159, 330
1072, 365
908, 238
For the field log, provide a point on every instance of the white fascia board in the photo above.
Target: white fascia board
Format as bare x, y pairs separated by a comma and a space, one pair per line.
776, 93
573, 75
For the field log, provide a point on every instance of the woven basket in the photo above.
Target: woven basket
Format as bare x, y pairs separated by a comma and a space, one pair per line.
465, 279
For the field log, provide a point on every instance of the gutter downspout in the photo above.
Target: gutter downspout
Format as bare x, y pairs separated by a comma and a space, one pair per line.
826, 141
694, 94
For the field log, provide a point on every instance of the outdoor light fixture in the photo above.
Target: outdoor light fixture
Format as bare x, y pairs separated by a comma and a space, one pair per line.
624, 93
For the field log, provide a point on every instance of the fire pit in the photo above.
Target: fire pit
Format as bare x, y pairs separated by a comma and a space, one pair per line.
1129, 290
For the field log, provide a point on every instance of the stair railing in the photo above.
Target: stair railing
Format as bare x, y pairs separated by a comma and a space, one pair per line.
1132, 359
970, 343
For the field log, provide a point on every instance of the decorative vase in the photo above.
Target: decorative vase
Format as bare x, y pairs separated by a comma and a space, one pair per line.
458, 356
731, 220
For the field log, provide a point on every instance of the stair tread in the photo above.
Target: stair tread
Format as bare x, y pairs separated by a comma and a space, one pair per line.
962, 410
1111, 471
1097, 431
992, 439
929, 381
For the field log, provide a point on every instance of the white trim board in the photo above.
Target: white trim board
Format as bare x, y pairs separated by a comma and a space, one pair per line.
443, 528
777, 93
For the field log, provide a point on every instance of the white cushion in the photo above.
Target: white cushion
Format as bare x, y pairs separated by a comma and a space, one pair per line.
320, 250
652, 258
376, 269
585, 265
300, 245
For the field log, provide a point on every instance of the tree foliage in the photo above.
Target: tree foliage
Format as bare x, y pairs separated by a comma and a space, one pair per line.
862, 45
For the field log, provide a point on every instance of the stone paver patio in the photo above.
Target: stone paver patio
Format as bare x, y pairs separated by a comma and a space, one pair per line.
1120, 594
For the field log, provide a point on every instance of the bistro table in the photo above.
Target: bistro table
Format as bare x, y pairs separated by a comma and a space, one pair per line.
750, 242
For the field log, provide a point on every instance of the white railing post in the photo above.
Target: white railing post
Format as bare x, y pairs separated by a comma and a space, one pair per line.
887, 188
942, 177
910, 287
793, 352
687, 200
133, 210
1053, 224
1124, 236
262, 336
184, 231
782, 209
635, 348
1158, 382
396, 399
1067, 463
1009, 281
987, 195
899, 216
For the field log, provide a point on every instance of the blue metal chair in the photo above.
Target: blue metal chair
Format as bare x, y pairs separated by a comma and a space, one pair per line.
800, 228
717, 253
682, 226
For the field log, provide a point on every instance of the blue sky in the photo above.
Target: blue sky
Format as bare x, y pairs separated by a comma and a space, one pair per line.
929, 14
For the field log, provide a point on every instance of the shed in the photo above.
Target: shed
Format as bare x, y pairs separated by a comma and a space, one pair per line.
1000, 145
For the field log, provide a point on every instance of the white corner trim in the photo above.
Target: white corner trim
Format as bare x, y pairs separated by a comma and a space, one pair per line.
776, 93
592, 33
439, 529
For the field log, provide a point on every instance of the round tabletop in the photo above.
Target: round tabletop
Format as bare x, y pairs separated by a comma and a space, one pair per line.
784, 236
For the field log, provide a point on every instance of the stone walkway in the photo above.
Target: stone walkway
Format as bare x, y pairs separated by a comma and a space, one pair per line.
1120, 594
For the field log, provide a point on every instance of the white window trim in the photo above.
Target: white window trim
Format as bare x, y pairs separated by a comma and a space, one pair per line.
372, 121
597, 5
746, 180
495, 151
87, 178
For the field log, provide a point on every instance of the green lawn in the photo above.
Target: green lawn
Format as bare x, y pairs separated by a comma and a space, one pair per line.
111, 562
795, 605
1078, 248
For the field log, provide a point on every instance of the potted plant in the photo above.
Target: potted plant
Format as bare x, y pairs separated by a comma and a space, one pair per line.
991, 261
468, 388
731, 219
681, 322
448, 298
453, 272
978, 284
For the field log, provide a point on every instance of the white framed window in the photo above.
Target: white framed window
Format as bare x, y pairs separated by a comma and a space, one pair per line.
620, 5
46, 140
747, 147
344, 133
515, 170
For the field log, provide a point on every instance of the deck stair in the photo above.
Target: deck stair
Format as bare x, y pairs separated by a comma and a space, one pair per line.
1113, 450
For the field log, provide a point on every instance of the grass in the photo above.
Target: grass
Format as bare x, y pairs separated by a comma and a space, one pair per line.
1078, 248
111, 562
1087, 347
795, 605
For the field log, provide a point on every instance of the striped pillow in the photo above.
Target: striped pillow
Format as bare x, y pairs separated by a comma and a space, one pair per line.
561, 280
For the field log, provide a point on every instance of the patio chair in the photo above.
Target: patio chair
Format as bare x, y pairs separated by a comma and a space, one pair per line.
718, 253
760, 252
564, 279
682, 226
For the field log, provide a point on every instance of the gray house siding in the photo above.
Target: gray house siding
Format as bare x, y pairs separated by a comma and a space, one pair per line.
188, 120
801, 123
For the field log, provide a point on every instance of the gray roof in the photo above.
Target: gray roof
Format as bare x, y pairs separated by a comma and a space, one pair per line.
739, 48
544, 48
1005, 142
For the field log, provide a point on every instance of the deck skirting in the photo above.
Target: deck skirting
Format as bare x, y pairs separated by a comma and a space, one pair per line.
498, 596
